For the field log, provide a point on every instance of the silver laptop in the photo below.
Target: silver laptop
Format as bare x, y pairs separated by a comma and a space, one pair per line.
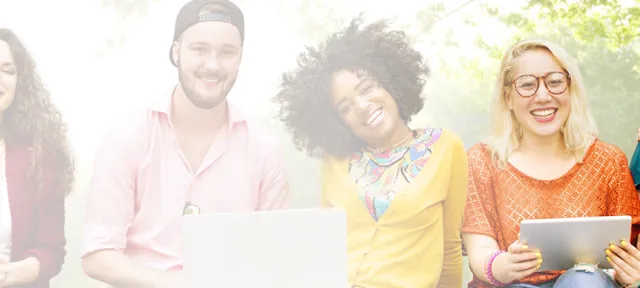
266, 249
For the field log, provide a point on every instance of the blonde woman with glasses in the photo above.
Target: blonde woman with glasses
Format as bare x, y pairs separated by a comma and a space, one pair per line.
543, 160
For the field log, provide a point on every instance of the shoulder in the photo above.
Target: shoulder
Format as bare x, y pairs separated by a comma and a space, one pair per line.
137, 121
128, 138
331, 165
479, 156
262, 140
18, 150
445, 141
601, 151
439, 137
133, 124
479, 150
18, 158
450, 138
261, 136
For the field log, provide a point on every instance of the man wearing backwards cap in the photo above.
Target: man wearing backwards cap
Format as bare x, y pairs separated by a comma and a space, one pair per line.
192, 152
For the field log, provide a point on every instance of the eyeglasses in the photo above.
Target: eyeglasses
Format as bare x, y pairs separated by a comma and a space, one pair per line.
556, 83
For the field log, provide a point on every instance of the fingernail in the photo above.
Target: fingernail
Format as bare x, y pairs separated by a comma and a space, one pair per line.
608, 252
608, 259
538, 267
623, 243
525, 247
539, 261
612, 247
539, 255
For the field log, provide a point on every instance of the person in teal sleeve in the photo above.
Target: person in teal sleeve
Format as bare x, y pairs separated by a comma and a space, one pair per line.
635, 164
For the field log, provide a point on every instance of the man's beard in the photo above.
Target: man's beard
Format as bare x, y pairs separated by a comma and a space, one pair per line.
188, 85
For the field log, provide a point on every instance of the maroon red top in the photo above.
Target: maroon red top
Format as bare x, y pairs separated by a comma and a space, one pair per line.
37, 218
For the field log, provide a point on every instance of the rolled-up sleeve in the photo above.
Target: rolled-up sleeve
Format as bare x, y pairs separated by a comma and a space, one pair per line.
111, 197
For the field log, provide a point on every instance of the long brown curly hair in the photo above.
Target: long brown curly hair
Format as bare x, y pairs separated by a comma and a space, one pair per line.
31, 120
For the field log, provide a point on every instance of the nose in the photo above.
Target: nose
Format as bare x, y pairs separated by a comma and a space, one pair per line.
362, 105
543, 95
212, 64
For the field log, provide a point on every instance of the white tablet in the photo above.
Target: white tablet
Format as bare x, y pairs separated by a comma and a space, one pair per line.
565, 242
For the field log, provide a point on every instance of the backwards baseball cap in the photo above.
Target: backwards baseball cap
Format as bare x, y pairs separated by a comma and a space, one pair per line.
190, 15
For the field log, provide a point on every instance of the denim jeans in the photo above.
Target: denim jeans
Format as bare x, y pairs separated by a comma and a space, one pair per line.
586, 276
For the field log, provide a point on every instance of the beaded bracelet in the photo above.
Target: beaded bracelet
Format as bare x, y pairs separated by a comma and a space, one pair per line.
488, 269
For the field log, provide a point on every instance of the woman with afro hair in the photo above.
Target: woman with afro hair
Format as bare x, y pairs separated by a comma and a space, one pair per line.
349, 101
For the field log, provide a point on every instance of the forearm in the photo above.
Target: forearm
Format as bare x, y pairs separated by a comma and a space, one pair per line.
478, 261
118, 270
22, 272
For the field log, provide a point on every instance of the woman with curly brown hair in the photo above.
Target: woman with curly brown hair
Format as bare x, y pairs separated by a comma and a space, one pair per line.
404, 189
36, 175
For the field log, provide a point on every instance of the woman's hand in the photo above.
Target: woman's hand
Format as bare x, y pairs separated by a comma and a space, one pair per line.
19, 273
625, 260
520, 262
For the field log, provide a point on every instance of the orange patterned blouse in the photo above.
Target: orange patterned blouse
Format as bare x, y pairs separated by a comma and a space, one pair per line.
599, 186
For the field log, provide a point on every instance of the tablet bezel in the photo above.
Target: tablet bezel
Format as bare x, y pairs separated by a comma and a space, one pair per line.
564, 242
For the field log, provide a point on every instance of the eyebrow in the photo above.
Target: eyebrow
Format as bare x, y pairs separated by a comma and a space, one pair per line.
205, 43
11, 64
355, 88
360, 83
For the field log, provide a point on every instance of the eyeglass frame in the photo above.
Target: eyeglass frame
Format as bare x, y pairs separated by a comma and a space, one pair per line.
544, 81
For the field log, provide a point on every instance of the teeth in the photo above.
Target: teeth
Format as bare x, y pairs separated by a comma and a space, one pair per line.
210, 80
374, 116
547, 112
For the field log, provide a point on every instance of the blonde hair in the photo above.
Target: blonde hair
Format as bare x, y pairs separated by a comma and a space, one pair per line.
578, 131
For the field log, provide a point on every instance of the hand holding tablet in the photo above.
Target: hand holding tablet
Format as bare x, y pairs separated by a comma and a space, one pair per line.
625, 259
521, 261
565, 242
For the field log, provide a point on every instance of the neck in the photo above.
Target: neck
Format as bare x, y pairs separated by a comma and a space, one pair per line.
543, 146
185, 115
401, 135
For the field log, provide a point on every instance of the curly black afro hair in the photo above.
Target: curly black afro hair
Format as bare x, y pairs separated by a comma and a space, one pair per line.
304, 98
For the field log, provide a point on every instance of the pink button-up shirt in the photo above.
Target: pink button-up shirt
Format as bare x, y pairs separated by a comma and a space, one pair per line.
141, 183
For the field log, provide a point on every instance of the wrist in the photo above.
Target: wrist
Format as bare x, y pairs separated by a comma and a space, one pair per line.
499, 269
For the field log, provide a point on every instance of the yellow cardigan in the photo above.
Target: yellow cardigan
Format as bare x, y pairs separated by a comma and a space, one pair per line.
416, 243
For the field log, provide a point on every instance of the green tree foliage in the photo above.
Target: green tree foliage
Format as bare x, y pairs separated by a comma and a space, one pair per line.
603, 36
126, 11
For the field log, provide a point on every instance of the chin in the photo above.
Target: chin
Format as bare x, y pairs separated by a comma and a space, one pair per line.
545, 131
